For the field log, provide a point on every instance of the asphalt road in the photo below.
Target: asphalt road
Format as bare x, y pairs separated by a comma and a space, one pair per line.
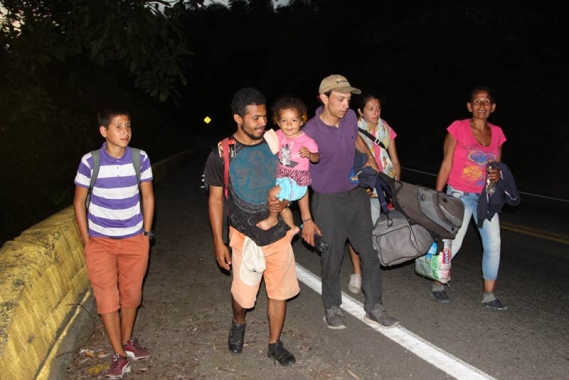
186, 310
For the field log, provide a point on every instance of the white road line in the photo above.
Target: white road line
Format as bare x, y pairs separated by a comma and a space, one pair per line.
417, 345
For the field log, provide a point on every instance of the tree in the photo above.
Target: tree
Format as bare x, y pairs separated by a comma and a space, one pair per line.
60, 61
144, 36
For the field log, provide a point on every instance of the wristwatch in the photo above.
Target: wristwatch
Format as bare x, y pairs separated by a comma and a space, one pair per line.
150, 234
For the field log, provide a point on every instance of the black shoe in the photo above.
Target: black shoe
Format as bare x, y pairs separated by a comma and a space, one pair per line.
495, 304
440, 296
280, 354
236, 337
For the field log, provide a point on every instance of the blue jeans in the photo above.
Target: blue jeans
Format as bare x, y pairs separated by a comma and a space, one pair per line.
490, 234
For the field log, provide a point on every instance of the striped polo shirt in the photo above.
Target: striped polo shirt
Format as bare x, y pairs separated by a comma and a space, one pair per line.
114, 210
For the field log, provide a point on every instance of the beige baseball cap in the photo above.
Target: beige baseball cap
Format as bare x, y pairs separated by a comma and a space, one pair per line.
337, 83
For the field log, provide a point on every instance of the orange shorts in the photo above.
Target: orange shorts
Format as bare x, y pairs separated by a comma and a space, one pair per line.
116, 268
280, 276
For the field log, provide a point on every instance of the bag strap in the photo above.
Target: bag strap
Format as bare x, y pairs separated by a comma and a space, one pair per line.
378, 183
96, 154
226, 145
375, 140
96, 164
382, 201
428, 208
135, 154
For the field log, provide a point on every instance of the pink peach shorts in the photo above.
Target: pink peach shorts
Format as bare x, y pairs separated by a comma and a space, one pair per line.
116, 268
280, 276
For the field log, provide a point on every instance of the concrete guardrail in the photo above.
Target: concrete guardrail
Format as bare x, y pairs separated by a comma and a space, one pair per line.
43, 285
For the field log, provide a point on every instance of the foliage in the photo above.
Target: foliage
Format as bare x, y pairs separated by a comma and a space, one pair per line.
135, 33
60, 62
61, 59
424, 57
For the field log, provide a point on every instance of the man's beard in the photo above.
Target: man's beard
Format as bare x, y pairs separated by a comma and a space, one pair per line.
250, 135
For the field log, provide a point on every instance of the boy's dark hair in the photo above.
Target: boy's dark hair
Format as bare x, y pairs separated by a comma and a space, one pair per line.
366, 96
246, 97
491, 93
289, 102
106, 115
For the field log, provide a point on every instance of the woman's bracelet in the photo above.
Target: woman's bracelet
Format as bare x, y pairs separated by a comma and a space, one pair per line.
306, 220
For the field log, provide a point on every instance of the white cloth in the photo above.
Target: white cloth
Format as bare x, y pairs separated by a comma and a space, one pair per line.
252, 263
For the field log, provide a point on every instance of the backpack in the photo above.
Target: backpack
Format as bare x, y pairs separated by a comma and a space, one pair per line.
135, 153
226, 148
439, 213
395, 238
421, 215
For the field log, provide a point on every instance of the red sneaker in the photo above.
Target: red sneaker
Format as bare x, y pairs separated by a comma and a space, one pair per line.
119, 367
135, 351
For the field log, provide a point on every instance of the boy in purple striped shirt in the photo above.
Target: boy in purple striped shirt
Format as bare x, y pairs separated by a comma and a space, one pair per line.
116, 230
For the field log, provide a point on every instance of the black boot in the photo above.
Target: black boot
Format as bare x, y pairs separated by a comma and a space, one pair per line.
236, 337
280, 354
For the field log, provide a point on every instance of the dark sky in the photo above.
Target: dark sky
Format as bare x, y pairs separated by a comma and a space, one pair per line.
423, 57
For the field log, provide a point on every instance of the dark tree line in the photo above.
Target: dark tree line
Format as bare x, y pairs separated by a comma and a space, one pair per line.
60, 61
172, 63
424, 57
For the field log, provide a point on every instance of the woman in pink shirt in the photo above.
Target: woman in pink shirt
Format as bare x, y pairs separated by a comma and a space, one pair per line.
469, 145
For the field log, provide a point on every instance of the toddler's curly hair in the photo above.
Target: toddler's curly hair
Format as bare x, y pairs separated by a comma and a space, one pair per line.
289, 102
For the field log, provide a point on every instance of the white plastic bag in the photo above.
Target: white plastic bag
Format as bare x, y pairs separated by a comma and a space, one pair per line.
436, 265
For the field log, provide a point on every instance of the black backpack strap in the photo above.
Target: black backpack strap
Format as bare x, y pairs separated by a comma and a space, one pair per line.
382, 201
135, 153
96, 164
375, 140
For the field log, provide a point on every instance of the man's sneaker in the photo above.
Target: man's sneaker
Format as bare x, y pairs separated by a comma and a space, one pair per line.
355, 284
495, 305
280, 354
379, 316
334, 318
119, 367
440, 296
236, 337
135, 351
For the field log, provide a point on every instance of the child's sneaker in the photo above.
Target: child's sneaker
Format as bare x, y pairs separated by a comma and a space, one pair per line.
135, 351
119, 367
355, 284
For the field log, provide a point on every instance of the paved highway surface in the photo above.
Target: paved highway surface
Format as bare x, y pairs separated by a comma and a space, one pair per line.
186, 312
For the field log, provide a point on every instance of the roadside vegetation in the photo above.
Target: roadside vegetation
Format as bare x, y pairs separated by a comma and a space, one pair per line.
171, 63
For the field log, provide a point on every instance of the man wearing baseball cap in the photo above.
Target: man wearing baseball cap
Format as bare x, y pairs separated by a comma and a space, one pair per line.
340, 209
